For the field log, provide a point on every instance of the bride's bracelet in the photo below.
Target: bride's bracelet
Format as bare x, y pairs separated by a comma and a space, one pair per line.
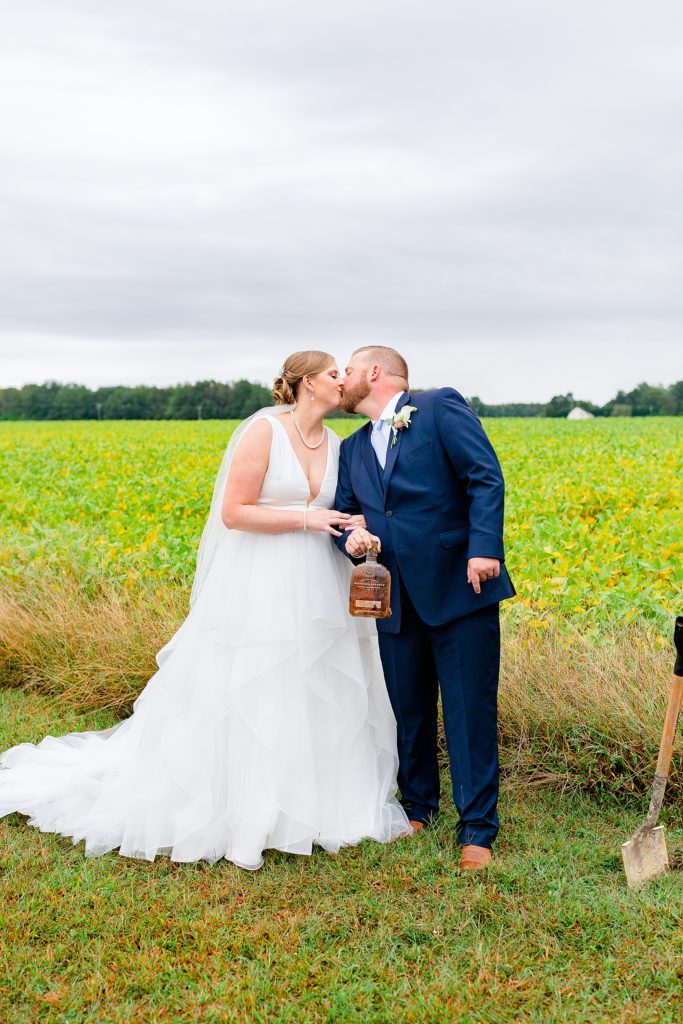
305, 526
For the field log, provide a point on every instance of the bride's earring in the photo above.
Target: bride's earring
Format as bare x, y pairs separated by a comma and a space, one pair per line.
312, 397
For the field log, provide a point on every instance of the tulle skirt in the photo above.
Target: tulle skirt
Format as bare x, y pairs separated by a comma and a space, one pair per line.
266, 726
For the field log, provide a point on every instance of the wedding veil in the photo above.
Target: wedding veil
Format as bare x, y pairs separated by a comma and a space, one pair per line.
215, 528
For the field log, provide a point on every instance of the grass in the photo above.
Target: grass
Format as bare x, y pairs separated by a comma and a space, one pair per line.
377, 933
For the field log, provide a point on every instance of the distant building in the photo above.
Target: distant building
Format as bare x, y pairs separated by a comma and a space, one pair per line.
578, 413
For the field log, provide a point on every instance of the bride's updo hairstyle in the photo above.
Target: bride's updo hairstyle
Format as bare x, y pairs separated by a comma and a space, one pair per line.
296, 367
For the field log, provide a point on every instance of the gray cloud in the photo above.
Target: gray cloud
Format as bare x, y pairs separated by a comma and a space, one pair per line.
491, 186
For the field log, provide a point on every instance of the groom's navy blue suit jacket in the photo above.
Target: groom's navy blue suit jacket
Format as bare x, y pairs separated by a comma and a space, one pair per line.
438, 502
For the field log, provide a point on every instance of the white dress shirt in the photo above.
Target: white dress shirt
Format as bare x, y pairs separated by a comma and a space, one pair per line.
381, 431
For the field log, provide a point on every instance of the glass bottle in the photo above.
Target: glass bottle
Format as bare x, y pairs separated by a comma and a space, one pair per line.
370, 588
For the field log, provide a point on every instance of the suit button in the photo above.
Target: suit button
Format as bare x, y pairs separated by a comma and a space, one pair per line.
389, 513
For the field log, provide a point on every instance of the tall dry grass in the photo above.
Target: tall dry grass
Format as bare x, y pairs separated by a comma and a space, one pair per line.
574, 712
586, 713
89, 648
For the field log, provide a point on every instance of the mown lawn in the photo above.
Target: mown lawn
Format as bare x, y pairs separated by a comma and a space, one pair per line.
378, 933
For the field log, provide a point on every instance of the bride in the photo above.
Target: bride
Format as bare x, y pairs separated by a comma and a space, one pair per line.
267, 724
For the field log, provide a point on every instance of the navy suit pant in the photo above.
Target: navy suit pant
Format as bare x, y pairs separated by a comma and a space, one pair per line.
463, 658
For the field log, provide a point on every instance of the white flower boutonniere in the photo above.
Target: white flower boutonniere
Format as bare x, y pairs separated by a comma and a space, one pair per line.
400, 421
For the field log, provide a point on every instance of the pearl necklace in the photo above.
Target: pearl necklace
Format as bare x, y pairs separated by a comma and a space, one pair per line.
303, 439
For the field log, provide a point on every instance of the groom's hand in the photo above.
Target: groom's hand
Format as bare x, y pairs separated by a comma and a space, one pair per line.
481, 569
359, 541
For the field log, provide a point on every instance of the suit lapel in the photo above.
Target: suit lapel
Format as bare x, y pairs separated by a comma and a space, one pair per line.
393, 450
371, 463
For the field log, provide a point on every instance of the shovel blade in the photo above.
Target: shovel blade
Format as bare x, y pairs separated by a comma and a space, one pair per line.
645, 857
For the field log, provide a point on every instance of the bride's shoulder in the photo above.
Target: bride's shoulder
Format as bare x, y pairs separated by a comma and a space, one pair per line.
256, 436
260, 428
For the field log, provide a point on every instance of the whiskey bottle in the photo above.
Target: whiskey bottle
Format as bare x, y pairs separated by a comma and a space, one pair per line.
370, 588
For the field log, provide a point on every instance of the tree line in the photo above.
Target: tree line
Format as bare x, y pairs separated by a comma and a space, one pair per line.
207, 400
211, 399
644, 400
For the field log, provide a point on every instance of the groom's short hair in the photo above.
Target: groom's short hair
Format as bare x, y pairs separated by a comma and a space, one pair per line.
391, 361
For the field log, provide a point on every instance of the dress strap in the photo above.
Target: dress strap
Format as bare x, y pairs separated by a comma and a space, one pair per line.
279, 440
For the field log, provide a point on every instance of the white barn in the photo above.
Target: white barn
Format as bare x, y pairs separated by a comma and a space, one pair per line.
579, 414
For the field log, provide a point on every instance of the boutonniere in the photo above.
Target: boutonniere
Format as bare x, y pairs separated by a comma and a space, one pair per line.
400, 421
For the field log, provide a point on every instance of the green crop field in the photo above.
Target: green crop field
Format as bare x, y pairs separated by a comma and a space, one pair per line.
593, 522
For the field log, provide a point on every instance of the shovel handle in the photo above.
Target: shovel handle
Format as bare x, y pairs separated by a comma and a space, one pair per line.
673, 710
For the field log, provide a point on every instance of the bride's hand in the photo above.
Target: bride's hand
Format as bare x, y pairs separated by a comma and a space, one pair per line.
357, 522
325, 520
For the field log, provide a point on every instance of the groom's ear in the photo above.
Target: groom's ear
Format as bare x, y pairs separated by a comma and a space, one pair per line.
374, 372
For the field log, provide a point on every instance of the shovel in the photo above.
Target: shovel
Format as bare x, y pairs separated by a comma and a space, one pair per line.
645, 855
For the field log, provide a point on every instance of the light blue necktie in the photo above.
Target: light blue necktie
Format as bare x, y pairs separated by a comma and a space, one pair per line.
380, 442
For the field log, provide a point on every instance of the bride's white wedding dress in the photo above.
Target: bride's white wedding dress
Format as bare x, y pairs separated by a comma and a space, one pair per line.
266, 726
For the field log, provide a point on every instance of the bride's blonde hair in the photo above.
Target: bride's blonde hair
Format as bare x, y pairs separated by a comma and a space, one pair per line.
295, 368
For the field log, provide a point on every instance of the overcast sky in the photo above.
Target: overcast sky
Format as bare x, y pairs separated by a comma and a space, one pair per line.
191, 190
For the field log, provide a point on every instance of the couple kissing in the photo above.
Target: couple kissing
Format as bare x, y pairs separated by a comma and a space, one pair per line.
276, 720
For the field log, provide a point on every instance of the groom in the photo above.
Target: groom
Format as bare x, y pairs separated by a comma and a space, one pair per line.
427, 480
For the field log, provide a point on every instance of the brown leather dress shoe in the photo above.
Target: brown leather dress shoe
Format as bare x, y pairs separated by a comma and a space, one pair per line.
417, 826
474, 858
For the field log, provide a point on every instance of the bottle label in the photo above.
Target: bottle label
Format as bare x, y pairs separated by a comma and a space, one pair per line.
372, 583
367, 604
